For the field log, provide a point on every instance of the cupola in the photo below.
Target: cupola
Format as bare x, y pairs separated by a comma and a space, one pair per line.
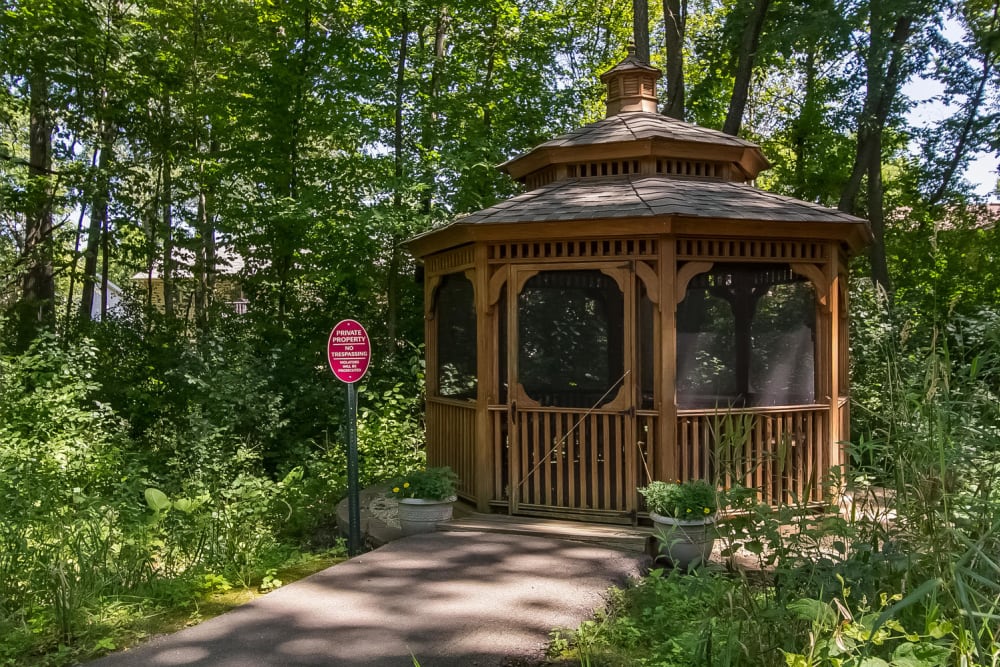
631, 85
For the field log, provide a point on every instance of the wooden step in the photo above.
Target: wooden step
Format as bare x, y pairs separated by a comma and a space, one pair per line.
625, 538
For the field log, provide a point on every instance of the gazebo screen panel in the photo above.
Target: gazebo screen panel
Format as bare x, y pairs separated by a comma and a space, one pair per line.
745, 338
456, 338
706, 358
782, 368
571, 348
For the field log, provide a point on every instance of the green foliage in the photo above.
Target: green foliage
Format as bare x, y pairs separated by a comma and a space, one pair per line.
162, 492
429, 484
902, 572
693, 499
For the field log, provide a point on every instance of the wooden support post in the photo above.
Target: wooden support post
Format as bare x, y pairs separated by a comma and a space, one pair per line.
831, 340
486, 384
665, 460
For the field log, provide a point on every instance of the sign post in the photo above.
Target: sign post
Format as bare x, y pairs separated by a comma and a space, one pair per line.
348, 350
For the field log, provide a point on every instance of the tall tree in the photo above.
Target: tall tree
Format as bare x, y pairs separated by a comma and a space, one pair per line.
887, 65
745, 57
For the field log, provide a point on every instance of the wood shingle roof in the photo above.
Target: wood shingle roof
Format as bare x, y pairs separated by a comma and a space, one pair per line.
648, 196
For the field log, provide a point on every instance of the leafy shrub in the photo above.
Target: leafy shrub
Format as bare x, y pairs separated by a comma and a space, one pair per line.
429, 484
693, 499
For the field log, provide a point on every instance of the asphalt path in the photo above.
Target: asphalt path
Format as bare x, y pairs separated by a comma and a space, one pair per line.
446, 599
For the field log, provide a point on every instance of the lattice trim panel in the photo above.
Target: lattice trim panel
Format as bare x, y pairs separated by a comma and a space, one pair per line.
691, 168
449, 262
602, 168
752, 250
573, 249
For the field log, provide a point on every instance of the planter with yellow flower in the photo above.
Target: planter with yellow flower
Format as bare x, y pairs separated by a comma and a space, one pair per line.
683, 515
426, 498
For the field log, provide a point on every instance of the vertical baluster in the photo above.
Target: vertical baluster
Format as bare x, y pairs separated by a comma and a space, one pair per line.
692, 472
606, 451
555, 486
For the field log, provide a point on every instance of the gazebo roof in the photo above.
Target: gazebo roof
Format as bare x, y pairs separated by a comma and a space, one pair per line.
645, 134
640, 173
648, 196
647, 201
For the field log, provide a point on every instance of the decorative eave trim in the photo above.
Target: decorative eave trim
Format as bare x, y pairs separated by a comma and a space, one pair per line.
749, 159
856, 236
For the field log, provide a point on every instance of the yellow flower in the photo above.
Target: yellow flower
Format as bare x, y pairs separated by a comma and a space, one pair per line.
689, 510
708, 511
406, 485
395, 489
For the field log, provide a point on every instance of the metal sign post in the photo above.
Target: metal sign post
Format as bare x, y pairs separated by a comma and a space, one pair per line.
349, 352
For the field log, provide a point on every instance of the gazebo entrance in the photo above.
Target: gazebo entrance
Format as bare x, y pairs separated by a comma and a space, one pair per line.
569, 402
640, 312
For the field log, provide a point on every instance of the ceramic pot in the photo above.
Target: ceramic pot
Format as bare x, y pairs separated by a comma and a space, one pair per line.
421, 515
685, 544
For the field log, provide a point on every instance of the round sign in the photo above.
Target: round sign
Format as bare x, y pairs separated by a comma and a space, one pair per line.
348, 350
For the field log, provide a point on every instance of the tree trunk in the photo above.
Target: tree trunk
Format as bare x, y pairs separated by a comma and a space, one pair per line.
744, 67
675, 20
876, 216
884, 64
166, 208
206, 257
395, 256
640, 29
36, 309
98, 223
881, 90
428, 134
972, 106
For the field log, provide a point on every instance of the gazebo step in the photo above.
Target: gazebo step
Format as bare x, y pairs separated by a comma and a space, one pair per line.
618, 537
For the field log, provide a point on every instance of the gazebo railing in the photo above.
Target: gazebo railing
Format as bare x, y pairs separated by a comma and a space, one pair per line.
573, 460
451, 426
782, 452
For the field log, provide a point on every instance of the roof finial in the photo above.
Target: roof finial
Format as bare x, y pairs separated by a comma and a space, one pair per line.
631, 49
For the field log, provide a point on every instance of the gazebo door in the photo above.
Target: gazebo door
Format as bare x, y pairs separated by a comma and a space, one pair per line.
569, 394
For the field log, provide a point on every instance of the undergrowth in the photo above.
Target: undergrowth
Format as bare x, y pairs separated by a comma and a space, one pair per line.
115, 520
904, 574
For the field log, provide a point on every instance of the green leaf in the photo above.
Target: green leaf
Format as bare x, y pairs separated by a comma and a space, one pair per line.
873, 662
813, 610
157, 500
920, 655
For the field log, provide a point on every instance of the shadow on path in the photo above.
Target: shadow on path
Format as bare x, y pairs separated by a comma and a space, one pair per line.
448, 599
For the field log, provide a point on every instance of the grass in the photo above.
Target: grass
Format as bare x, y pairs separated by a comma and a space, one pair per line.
128, 621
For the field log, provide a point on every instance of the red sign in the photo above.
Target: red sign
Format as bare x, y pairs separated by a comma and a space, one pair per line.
348, 350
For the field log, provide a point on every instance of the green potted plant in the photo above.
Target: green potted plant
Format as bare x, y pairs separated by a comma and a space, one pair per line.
426, 498
683, 515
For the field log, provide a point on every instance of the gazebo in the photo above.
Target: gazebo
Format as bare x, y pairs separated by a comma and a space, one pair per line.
640, 312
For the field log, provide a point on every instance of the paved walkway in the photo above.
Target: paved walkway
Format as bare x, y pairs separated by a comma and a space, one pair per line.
447, 599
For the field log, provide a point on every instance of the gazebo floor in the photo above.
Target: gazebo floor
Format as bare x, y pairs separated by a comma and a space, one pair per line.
625, 538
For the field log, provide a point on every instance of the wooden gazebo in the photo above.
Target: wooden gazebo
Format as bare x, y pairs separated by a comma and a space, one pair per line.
640, 311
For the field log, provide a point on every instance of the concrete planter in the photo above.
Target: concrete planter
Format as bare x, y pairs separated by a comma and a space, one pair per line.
685, 544
420, 515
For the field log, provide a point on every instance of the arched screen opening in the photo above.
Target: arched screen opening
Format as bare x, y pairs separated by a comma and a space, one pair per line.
782, 368
456, 338
570, 336
745, 338
706, 360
